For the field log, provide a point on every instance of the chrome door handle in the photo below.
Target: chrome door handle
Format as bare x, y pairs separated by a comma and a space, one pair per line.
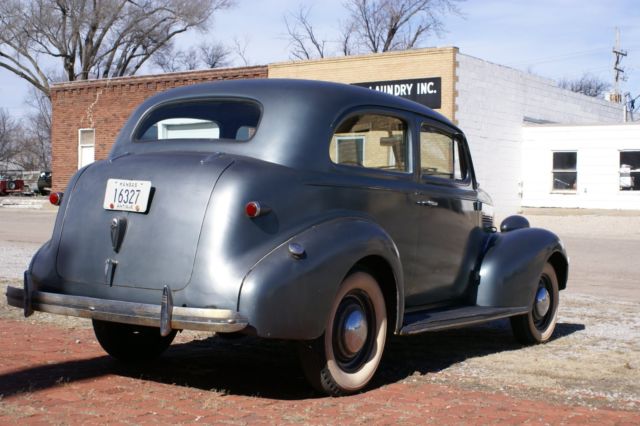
427, 203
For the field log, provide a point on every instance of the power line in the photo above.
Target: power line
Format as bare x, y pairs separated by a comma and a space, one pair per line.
560, 57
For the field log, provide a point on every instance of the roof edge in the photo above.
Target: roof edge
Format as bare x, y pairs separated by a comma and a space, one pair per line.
409, 52
261, 70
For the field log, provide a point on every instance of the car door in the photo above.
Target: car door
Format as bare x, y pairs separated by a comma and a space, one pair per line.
448, 229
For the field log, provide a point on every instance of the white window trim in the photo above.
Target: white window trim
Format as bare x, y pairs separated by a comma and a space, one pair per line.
564, 191
620, 190
360, 137
81, 145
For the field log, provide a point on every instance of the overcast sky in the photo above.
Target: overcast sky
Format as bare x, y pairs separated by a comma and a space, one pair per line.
551, 38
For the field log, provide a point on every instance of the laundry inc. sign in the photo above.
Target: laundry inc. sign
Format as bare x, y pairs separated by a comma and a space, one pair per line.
425, 91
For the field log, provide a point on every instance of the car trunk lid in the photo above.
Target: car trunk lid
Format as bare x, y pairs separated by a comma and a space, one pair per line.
149, 249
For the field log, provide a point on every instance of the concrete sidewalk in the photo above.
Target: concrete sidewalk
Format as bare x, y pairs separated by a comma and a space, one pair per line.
33, 203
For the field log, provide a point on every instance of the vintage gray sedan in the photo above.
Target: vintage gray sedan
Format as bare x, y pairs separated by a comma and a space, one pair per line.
327, 214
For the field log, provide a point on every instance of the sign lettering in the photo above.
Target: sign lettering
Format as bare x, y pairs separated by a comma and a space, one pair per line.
425, 91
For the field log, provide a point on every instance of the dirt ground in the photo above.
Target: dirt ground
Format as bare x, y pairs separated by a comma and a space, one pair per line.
52, 370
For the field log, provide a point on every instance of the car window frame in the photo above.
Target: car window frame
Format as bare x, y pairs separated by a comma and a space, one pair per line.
148, 112
463, 149
406, 118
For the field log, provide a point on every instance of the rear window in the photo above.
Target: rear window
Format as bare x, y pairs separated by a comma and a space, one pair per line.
205, 120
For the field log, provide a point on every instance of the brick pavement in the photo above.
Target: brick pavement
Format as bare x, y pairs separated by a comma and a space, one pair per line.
59, 375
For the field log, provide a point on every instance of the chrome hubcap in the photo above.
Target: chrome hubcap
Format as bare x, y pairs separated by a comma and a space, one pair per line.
354, 332
543, 301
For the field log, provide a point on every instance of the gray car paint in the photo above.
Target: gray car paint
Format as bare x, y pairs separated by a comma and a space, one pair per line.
196, 239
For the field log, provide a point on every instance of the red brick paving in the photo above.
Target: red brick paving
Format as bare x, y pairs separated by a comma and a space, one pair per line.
56, 375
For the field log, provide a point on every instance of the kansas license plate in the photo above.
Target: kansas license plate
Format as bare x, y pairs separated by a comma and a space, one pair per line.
127, 195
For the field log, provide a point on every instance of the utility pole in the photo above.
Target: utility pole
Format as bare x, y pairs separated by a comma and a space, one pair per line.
618, 71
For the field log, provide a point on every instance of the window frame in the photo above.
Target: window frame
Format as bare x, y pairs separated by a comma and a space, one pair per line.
86, 145
463, 153
408, 140
637, 171
136, 128
554, 170
359, 138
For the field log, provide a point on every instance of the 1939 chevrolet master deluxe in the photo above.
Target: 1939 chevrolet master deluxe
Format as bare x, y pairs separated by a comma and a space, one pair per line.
323, 213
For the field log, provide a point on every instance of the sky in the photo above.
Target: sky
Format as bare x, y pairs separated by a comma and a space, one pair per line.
554, 39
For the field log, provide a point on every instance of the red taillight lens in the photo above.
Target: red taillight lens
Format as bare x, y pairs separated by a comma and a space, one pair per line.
55, 198
252, 209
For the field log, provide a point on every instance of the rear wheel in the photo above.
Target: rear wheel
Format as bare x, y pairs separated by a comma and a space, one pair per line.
131, 343
345, 358
538, 325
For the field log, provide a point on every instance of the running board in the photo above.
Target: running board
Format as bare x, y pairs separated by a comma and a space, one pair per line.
418, 322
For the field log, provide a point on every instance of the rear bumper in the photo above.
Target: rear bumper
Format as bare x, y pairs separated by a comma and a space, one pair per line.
164, 315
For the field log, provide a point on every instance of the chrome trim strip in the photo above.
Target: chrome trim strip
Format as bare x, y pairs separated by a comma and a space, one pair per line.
201, 319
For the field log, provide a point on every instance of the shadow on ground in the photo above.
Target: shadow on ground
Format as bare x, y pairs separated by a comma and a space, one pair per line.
249, 366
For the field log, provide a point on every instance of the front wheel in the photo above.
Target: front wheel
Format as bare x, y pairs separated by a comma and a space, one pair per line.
131, 343
538, 325
345, 358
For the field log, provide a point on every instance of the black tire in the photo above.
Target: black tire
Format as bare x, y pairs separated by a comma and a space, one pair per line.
131, 343
535, 327
342, 362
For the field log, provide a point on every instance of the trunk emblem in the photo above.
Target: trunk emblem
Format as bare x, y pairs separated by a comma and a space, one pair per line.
118, 229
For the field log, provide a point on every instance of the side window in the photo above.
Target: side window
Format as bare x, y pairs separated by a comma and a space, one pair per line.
371, 140
630, 170
565, 172
440, 154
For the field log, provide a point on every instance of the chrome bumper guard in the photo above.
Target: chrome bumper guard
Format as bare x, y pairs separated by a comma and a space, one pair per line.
165, 315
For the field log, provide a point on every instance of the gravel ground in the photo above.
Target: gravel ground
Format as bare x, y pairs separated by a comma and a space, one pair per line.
14, 258
593, 359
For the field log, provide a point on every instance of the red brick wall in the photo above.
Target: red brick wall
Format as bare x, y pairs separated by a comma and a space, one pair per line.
105, 105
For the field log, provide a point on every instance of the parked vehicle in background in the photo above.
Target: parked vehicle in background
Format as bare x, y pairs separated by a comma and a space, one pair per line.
9, 185
44, 183
323, 213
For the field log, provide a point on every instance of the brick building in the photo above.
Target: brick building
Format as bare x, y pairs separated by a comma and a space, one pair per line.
87, 115
491, 103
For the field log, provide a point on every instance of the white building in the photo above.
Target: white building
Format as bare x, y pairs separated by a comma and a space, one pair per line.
491, 103
495, 105
589, 166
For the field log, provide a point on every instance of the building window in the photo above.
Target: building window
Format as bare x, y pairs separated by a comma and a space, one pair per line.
372, 141
350, 150
565, 173
86, 147
630, 170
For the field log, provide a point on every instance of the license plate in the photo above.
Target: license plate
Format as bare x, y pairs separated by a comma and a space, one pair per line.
127, 195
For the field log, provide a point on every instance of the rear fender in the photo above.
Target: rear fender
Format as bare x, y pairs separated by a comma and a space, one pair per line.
289, 297
512, 266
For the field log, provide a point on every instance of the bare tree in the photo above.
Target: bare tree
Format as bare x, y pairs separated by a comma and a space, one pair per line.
588, 84
371, 26
240, 49
207, 55
36, 148
170, 60
383, 25
304, 43
8, 135
92, 39
214, 55
346, 38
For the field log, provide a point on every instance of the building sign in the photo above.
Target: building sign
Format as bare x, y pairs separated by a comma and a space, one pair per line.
425, 91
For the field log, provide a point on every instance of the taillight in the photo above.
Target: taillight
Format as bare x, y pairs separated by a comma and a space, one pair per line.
55, 198
255, 209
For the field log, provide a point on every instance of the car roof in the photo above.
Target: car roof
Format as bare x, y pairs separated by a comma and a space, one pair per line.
298, 117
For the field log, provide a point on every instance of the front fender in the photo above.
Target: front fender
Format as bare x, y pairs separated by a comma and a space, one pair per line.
286, 297
512, 266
